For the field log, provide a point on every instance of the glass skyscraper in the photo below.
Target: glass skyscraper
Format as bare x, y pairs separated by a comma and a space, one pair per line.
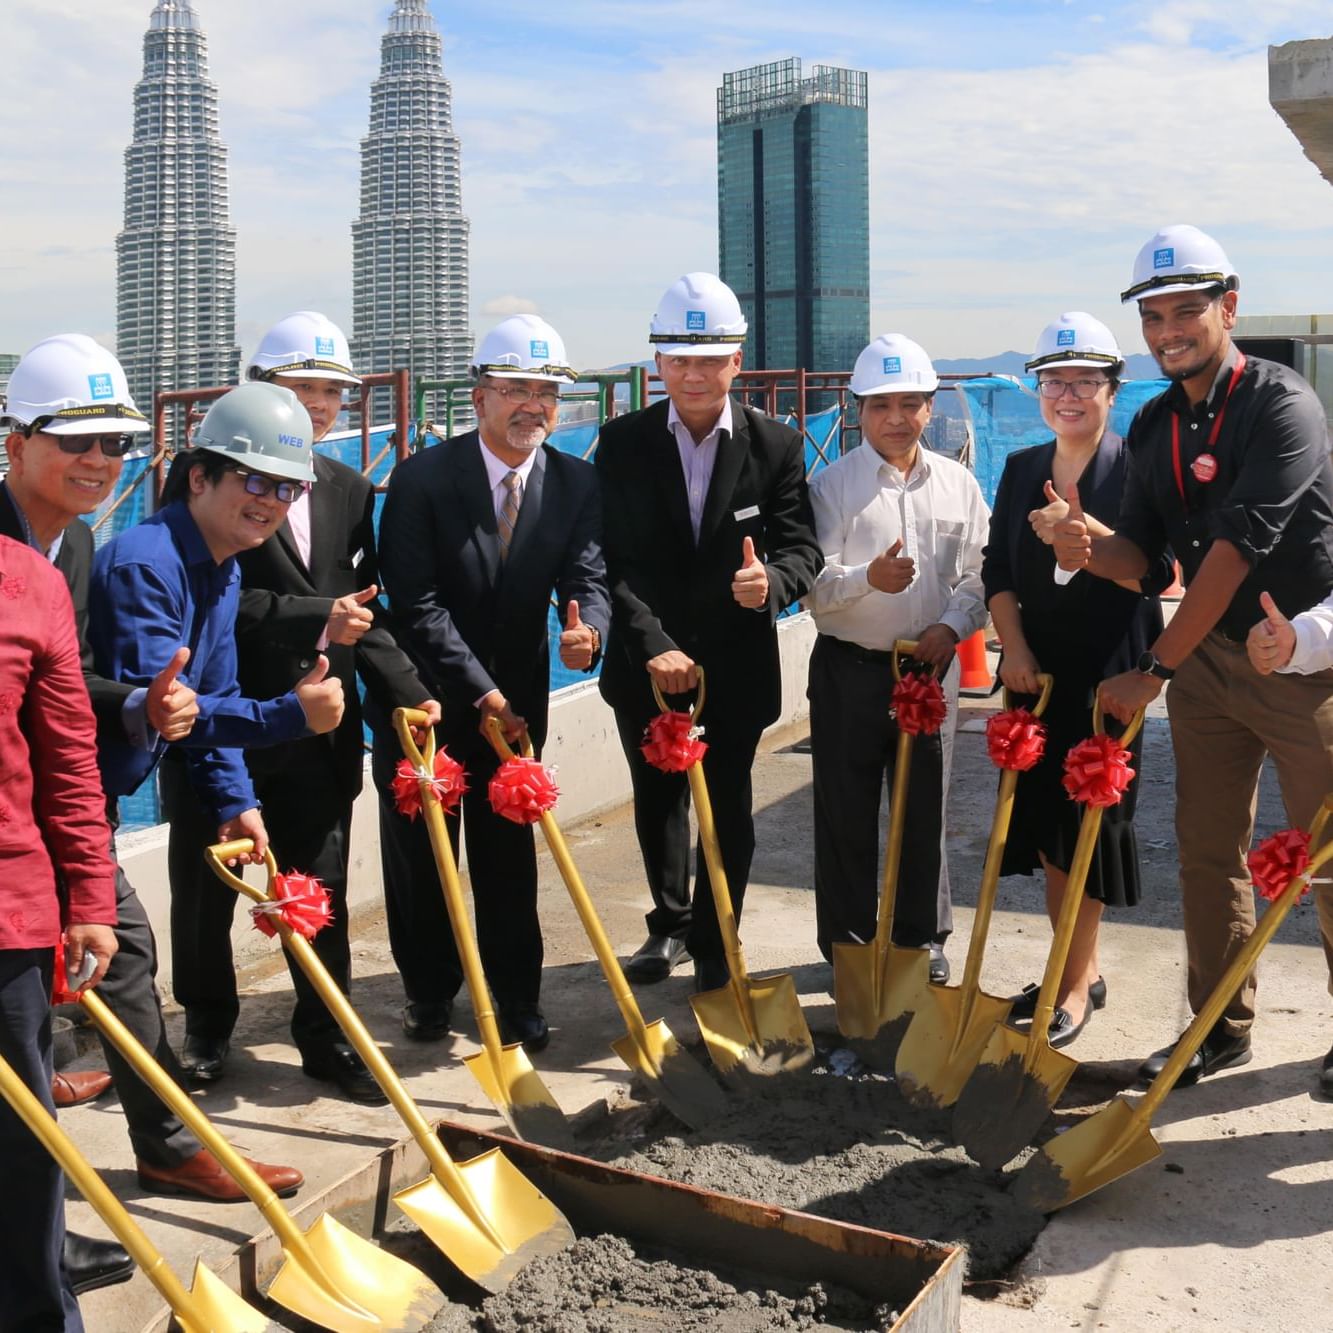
409, 245
176, 257
793, 205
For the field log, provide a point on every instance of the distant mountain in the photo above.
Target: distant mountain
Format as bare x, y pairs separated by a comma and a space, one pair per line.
1140, 366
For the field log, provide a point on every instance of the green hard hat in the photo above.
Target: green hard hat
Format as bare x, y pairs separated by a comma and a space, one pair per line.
263, 427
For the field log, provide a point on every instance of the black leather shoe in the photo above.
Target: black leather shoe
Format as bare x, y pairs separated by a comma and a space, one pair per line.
203, 1057
1024, 1005
1219, 1051
1326, 1076
1063, 1029
710, 974
427, 1020
524, 1023
655, 959
339, 1063
94, 1263
939, 966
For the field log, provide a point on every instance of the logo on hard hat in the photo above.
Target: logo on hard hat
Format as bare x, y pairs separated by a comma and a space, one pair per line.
323, 346
296, 441
100, 386
893, 365
1164, 258
695, 321
1065, 338
539, 347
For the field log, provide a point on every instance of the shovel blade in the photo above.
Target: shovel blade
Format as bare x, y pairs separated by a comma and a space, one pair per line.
358, 1286
941, 1048
516, 1090
869, 993
782, 1040
214, 1305
673, 1075
523, 1224
1004, 1103
1103, 1148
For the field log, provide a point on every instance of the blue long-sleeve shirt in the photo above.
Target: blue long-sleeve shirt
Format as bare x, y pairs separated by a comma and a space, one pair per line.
156, 587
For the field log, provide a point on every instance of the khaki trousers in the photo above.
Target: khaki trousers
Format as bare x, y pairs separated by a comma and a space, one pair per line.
1225, 717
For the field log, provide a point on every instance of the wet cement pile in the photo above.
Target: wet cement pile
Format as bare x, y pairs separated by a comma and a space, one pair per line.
601, 1285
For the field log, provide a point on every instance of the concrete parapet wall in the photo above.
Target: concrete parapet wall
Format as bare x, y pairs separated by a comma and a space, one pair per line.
1300, 89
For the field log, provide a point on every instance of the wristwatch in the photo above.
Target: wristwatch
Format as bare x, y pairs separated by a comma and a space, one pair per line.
1150, 665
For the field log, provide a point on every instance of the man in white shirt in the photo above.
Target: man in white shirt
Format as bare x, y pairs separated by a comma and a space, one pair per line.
902, 531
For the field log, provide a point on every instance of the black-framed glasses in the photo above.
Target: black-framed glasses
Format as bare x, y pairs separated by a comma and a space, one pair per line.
256, 483
520, 397
113, 446
1079, 388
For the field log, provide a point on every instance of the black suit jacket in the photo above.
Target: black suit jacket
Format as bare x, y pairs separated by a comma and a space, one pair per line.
669, 592
285, 606
75, 561
471, 623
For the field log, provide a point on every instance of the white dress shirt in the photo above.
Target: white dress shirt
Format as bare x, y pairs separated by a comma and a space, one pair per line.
697, 460
863, 505
496, 472
298, 519
1314, 640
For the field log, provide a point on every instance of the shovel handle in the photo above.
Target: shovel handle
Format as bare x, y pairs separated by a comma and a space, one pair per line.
1047, 685
699, 695
1099, 723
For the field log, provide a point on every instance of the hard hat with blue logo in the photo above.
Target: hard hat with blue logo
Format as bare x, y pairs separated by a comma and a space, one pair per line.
1179, 259
1077, 339
523, 347
893, 364
70, 385
305, 345
698, 315
261, 426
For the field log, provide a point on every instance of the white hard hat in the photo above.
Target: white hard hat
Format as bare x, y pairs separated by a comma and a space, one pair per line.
263, 426
1179, 258
523, 347
71, 385
893, 364
306, 345
1077, 339
698, 315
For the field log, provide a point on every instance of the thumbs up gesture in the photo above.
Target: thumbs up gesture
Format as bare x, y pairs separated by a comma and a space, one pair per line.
1272, 641
172, 706
749, 584
1044, 519
320, 698
891, 571
350, 617
578, 642
1072, 540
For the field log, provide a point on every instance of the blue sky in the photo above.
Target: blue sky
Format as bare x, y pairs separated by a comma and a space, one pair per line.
1020, 154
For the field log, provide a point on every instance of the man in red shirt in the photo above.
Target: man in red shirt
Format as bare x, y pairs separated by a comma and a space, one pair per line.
52, 820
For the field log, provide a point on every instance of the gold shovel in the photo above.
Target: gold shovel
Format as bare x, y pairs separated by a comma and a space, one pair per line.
210, 1305
670, 1072
952, 1025
877, 986
752, 1026
1019, 1077
330, 1275
484, 1214
504, 1072
1118, 1139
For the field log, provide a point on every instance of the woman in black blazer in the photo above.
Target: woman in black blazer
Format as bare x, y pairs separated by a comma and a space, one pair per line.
1079, 630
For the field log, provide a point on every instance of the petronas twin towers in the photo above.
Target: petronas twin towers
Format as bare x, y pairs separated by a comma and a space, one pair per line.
176, 257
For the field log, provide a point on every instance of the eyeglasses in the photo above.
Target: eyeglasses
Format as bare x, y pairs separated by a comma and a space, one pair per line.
512, 393
113, 446
258, 484
1079, 388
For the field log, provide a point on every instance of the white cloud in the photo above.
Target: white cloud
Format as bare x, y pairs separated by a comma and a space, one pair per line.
501, 307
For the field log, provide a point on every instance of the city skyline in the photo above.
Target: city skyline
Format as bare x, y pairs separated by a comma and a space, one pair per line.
591, 156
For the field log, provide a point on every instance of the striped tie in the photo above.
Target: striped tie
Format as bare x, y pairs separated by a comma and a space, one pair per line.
513, 485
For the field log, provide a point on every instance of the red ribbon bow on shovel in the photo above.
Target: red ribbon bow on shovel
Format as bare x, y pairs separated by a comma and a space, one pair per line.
1015, 739
449, 783
300, 900
918, 704
522, 790
1097, 771
1278, 860
671, 742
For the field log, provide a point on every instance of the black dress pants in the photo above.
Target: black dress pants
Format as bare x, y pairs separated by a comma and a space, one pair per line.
502, 869
35, 1294
662, 822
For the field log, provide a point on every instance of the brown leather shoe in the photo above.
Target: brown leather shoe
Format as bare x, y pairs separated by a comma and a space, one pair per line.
79, 1086
202, 1177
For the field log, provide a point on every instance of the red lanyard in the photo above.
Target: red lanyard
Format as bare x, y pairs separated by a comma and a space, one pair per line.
1212, 435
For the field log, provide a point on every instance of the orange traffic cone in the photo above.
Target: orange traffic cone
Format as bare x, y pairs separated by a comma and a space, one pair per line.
1177, 590
972, 657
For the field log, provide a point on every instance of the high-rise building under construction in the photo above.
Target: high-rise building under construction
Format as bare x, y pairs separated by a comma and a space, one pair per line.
176, 257
409, 245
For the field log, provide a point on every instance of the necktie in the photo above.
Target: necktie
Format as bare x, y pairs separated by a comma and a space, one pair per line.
513, 485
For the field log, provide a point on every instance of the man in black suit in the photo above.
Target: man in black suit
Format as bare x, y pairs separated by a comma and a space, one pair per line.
309, 589
708, 537
478, 532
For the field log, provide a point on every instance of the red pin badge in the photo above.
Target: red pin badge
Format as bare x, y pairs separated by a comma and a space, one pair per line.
1204, 468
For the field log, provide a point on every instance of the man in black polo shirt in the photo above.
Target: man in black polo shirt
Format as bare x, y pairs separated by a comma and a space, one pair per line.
1230, 467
